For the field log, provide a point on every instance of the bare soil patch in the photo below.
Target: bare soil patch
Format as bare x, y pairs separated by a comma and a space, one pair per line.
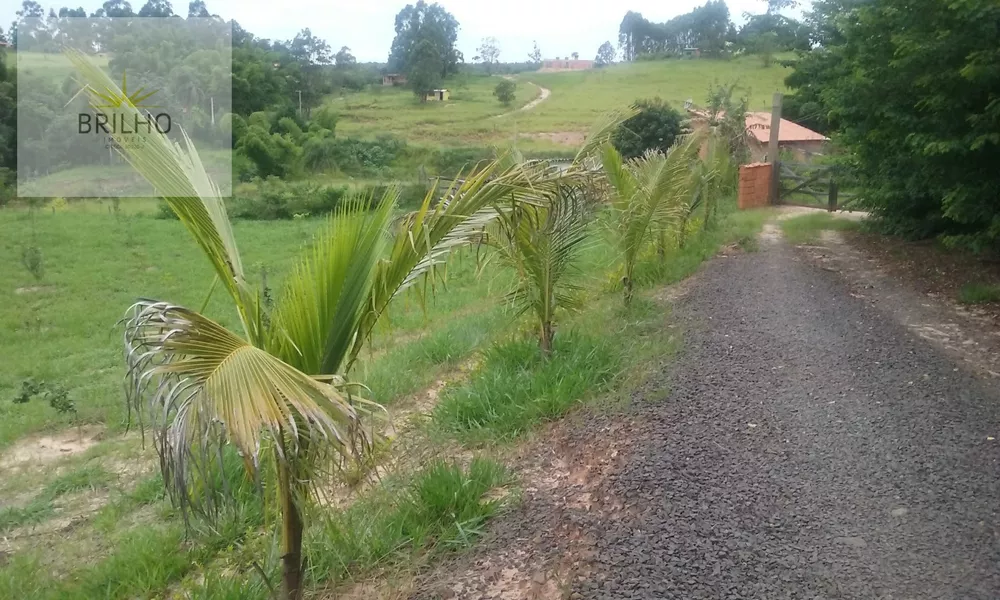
45, 449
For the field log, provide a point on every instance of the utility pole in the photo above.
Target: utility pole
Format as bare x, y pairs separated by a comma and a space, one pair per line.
212, 100
300, 103
773, 148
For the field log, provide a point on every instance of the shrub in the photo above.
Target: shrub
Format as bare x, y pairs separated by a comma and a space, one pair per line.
505, 91
287, 126
326, 118
320, 152
656, 127
450, 161
274, 198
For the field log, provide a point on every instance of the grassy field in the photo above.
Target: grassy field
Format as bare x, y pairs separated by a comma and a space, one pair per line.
95, 523
578, 99
53, 66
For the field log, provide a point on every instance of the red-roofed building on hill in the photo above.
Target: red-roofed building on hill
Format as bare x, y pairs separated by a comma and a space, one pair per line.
802, 142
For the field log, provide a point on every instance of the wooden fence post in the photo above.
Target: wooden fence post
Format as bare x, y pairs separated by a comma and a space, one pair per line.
832, 201
773, 148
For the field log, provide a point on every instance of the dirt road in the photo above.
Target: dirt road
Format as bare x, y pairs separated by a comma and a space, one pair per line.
544, 94
806, 445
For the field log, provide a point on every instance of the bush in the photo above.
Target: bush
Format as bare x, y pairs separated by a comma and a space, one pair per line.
326, 118
656, 127
448, 162
505, 91
275, 199
367, 157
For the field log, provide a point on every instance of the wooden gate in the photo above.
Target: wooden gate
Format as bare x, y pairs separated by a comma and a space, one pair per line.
804, 184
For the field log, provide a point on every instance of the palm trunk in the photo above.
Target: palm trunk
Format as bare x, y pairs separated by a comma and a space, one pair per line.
291, 536
661, 246
627, 282
682, 234
545, 340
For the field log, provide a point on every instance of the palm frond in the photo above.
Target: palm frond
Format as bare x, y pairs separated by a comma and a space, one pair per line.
424, 238
541, 243
179, 177
202, 387
316, 318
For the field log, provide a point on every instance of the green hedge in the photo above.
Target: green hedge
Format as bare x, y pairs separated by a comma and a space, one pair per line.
275, 199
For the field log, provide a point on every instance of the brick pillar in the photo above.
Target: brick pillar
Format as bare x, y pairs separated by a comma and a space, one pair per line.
755, 183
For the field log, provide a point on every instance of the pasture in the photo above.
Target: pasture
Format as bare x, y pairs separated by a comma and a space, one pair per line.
473, 115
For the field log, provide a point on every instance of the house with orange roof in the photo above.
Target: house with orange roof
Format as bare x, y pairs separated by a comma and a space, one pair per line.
803, 143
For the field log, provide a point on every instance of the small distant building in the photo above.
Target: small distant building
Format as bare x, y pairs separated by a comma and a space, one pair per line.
394, 79
568, 64
692, 52
438, 96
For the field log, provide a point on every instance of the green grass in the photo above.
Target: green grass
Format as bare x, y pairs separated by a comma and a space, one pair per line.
441, 508
577, 100
54, 66
807, 228
979, 293
89, 477
517, 388
465, 119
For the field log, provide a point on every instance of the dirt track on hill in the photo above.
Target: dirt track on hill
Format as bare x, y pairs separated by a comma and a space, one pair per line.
807, 444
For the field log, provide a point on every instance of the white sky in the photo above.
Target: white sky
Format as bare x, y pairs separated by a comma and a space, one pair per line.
367, 26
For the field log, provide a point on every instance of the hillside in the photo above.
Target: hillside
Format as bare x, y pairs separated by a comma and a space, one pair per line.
472, 117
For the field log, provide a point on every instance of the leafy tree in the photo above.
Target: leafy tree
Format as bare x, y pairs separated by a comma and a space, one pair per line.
344, 58
706, 27
505, 91
157, 8
605, 55
310, 49
425, 69
656, 126
765, 45
430, 23
576, 56
917, 110
489, 53
536, 54
115, 9
197, 8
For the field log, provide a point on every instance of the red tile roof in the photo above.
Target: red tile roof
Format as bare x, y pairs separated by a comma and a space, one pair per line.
759, 124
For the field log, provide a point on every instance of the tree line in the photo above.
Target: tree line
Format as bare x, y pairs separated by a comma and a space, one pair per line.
910, 90
709, 29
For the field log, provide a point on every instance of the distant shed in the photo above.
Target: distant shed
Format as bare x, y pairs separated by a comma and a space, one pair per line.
438, 96
394, 79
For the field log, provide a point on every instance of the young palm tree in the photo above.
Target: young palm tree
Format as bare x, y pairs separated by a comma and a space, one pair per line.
648, 197
277, 391
713, 178
542, 241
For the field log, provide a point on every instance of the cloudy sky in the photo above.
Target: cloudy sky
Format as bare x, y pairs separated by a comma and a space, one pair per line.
366, 26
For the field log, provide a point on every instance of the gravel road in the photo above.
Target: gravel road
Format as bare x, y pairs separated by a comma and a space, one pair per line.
804, 446
810, 447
